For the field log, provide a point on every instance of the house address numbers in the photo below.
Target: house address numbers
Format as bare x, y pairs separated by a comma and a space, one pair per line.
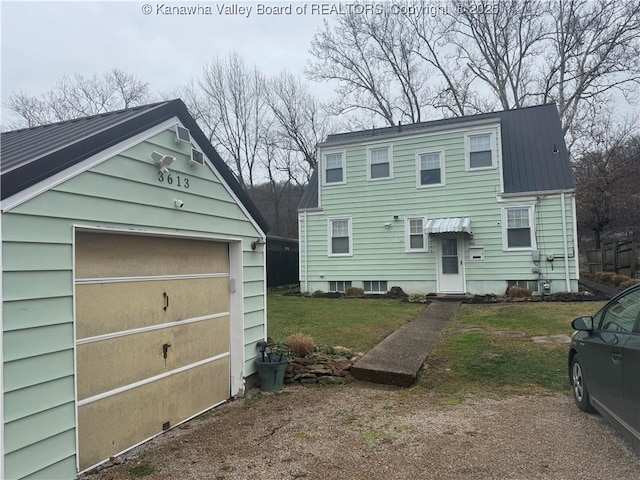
171, 179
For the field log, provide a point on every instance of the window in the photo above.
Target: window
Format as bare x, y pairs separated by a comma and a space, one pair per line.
375, 286
622, 314
339, 236
379, 162
339, 285
430, 169
334, 168
415, 238
480, 151
531, 285
518, 228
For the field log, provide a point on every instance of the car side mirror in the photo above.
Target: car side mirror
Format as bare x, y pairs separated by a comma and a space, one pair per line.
583, 324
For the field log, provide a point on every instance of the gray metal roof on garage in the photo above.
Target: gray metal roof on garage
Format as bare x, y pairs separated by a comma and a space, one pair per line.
534, 155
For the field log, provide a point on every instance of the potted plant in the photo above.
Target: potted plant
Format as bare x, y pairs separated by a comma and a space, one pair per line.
271, 365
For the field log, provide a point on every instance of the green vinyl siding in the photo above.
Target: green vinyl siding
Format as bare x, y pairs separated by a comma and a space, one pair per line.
125, 193
379, 251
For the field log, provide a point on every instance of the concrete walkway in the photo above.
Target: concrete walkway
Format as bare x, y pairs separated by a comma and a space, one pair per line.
399, 357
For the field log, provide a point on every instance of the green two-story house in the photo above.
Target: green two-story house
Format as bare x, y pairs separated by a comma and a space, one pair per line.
460, 205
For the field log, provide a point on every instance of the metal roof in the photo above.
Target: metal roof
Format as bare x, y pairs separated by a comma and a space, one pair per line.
31, 155
310, 196
534, 155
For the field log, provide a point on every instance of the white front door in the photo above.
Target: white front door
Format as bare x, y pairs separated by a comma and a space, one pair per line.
450, 265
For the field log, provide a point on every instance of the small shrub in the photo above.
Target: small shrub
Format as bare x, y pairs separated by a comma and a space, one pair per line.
301, 345
606, 277
354, 292
618, 279
317, 293
417, 298
628, 283
585, 273
518, 292
397, 292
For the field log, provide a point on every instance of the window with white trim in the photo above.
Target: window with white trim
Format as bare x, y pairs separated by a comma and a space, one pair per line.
375, 286
339, 285
339, 236
518, 228
416, 238
430, 169
480, 151
334, 171
379, 163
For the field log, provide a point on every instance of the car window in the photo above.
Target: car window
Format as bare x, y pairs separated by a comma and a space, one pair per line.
621, 314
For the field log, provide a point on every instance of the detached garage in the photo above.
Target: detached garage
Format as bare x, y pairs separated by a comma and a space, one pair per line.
133, 286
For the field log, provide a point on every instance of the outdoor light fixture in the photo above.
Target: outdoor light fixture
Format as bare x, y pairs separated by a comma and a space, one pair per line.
255, 243
163, 161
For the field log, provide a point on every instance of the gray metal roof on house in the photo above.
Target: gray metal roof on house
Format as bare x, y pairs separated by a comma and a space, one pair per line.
534, 154
31, 155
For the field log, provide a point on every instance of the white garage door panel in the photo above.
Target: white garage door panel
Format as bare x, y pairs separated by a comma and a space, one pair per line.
113, 307
100, 255
111, 425
116, 362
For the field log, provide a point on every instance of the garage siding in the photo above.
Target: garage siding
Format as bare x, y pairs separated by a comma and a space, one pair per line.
123, 192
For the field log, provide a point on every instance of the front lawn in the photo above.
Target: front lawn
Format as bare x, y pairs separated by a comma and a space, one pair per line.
356, 323
480, 362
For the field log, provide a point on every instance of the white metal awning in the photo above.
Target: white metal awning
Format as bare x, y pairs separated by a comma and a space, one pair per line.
448, 225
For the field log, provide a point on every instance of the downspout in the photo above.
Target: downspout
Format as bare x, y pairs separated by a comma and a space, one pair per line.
564, 243
306, 256
574, 219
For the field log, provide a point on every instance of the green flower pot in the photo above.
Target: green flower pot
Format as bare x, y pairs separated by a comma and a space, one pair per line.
271, 373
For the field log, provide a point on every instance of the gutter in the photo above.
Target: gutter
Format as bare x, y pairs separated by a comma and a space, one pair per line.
537, 193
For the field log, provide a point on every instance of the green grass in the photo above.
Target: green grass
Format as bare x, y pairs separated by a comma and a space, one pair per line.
483, 364
356, 323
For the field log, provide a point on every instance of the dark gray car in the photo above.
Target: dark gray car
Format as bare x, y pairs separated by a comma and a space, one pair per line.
604, 363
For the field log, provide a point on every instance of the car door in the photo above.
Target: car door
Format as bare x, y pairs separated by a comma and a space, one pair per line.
631, 381
609, 358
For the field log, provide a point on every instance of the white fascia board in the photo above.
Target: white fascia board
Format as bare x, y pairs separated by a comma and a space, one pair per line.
71, 172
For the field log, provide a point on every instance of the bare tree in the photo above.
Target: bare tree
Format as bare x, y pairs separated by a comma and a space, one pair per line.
300, 124
478, 55
594, 50
607, 173
373, 59
78, 96
235, 112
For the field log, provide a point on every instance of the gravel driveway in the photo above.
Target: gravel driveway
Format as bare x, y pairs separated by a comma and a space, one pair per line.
364, 431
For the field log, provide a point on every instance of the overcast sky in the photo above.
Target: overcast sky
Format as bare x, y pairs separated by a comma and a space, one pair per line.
41, 41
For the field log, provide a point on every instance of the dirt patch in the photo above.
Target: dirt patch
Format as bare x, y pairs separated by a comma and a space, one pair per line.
364, 431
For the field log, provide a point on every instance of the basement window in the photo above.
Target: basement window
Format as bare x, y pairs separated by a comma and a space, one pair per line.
375, 286
339, 285
531, 285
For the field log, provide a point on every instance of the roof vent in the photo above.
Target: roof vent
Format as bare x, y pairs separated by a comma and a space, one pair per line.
182, 134
197, 157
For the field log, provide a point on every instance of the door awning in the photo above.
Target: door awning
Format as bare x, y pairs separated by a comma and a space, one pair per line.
448, 225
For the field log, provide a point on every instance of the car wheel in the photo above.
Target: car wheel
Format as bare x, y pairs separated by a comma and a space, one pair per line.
579, 385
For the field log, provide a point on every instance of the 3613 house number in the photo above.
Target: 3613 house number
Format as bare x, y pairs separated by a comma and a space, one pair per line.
176, 180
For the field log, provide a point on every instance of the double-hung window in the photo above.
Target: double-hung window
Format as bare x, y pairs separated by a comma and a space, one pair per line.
415, 238
334, 168
340, 237
518, 231
430, 169
380, 164
480, 151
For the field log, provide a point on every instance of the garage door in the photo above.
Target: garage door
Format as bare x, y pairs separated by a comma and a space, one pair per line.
152, 336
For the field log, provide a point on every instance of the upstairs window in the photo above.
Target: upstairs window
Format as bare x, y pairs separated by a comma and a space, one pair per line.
430, 169
339, 237
379, 163
480, 151
334, 168
519, 231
